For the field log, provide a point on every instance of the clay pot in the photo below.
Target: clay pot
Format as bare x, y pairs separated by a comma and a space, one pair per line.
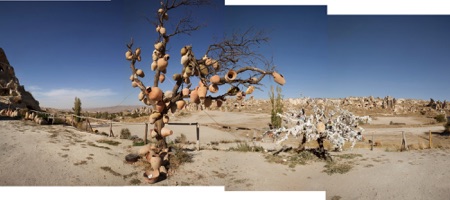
185, 92
208, 61
144, 149
254, 80
233, 90
189, 71
176, 77
215, 79
158, 46
140, 73
202, 90
148, 102
162, 77
166, 132
165, 119
168, 94
137, 52
183, 51
129, 55
194, 97
162, 30
159, 107
154, 116
153, 66
173, 107
207, 102
200, 83
219, 103
153, 133
278, 78
162, 169
163, 62
155, 93
230, 76
250, 89
141, 96
184, 59
180, 104
203, 69
151, 176
213, 88
134, 84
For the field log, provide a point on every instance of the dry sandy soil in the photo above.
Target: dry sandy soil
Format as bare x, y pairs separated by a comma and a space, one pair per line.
57, 155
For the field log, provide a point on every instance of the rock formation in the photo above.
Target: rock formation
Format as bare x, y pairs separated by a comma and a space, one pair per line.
12, 94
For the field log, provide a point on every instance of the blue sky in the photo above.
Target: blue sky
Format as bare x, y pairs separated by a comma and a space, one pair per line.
61, 50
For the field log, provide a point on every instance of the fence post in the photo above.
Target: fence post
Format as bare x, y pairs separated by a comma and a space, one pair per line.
111, 134
198, 137
404, 145
146, 131
429, 140
371, 145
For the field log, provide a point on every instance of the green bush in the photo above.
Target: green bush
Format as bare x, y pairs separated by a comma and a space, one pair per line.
440, 118
125, 133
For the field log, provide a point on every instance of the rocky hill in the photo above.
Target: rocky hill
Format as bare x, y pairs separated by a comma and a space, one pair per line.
12, 94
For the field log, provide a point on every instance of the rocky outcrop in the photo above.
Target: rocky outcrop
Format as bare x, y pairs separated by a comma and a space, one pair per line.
12, 94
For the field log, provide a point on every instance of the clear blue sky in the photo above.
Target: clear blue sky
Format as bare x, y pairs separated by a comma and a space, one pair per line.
65, 49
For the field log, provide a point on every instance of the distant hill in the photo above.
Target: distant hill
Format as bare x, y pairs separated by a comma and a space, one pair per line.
114, 109
111, 109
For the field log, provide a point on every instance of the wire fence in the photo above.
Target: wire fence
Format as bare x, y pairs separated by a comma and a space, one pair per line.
51, 117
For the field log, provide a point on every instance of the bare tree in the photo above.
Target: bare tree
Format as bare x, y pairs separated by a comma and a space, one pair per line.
230, 61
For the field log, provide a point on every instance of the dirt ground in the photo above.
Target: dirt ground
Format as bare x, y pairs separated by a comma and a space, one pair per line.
33, 155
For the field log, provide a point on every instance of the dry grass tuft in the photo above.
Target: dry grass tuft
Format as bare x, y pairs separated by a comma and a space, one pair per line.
108, 169
335, 167
110, 142
83, 162
349, 156
135, 181
94, 145
245, 147
179, 157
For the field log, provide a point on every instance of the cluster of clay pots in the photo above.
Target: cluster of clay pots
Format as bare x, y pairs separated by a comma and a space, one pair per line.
9, 113
158, 159
129, 55
34, 117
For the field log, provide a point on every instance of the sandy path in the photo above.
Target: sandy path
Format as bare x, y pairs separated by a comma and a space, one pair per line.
376, 175
56, 155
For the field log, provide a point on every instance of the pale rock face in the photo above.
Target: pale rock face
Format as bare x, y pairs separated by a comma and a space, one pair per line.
11, 92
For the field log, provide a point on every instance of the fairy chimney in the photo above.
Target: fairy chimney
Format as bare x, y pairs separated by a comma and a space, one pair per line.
12, 94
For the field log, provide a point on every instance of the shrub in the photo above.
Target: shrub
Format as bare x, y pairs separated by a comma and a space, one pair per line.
447, 127
125, 133
334, 167
440, 118
244, 147
277, 106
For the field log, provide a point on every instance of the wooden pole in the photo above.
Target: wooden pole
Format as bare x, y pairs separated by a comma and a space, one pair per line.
198, 137
404, 145
371, 145
111, 134
146, 131
429, 140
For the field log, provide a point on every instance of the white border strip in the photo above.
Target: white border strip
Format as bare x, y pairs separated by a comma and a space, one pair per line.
363, 7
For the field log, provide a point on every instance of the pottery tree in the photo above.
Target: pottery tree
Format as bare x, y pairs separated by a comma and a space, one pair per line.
229, 63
